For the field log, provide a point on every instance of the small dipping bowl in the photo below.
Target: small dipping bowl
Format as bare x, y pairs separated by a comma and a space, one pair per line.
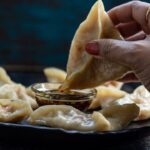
48, 94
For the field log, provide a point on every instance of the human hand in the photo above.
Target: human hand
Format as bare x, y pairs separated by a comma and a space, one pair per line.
133, 21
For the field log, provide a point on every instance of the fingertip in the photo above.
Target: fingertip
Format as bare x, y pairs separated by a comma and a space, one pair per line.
92, 48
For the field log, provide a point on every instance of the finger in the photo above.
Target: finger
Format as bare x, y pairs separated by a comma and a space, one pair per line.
122, 52
139, 36
130, 77
132, 11
128, 29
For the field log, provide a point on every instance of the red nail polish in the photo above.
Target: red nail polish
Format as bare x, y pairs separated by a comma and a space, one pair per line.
92, 48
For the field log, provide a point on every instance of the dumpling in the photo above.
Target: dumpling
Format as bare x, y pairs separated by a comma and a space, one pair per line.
62, 116
67, 117
12, 90
120, 115
83, 70
105, 96
4, 78
12, 110
141, 97
16, 91
54, 74
30, 92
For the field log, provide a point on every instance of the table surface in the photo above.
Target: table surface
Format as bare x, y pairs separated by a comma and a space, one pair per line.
141, 144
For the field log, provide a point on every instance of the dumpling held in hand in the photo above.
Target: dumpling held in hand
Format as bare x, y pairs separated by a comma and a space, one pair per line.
83, 70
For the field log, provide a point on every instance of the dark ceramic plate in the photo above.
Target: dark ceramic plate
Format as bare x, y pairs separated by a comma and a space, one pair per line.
28, 137
42, 133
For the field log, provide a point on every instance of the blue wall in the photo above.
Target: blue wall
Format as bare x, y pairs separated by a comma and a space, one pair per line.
39, 32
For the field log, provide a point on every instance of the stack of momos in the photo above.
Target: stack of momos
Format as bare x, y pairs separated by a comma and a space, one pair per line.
12, 90
17, 103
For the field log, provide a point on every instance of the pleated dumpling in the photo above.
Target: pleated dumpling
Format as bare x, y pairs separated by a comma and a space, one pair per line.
14, 110
83, 70
67, 117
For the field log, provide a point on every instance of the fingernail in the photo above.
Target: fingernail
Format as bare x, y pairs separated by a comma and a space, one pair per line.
92, 48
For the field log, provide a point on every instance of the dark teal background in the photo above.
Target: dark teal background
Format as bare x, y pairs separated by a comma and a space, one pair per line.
34, 32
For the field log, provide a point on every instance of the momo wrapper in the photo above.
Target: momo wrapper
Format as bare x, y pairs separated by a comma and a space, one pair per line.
83, 70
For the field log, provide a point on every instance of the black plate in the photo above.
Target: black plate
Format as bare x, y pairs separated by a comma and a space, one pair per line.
26, 137
41, 133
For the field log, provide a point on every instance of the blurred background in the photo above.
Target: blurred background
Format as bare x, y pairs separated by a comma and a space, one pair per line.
38, 33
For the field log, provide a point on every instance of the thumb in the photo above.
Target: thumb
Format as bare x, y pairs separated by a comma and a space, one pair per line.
122, 52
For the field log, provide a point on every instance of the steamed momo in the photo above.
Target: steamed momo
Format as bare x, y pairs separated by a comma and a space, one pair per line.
83, 70
62, 116
141, 97
4, 78
13, 110
105, 96
67, 117
54, 74
16, 91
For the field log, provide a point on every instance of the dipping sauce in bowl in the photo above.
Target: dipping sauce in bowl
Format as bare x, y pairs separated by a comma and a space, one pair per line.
48, 94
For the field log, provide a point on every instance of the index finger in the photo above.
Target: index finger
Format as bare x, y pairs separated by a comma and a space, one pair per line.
132, 11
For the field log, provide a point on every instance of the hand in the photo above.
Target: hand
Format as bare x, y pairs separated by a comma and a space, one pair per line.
134, 52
